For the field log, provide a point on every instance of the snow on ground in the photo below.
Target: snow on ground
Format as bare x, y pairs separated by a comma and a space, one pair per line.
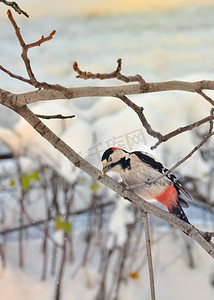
174, 279
120, 218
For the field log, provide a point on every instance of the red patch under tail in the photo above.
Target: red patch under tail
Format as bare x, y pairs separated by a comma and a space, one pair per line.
169, 199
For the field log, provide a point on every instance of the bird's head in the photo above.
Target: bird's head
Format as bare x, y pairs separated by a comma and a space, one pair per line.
114, 159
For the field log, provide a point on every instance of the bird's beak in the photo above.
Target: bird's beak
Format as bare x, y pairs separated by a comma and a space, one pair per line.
105, 166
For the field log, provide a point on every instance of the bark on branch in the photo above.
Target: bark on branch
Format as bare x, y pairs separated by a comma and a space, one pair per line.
106, 91
144, 86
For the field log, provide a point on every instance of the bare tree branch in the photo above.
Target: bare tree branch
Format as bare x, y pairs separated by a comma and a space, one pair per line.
115, 74
204, 140
139, 112
25, 47
16, 7
42, 40
149, 255
21, 78
144, 87
180, 130
53, 92
163, 138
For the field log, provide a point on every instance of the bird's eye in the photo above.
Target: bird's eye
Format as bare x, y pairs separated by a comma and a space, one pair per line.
110, 159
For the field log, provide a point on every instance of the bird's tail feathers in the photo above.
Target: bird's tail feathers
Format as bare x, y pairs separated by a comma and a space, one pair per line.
183, 203
178, 211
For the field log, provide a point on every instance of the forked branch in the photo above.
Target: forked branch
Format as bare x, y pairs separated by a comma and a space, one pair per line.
115, 74
163, 138
32, 78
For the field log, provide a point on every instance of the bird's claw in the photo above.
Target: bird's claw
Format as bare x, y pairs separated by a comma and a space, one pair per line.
124, 186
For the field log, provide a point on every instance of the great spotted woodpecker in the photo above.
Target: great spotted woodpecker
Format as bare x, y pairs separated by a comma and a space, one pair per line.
139, 171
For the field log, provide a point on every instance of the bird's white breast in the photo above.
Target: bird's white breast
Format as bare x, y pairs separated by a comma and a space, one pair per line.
136, 178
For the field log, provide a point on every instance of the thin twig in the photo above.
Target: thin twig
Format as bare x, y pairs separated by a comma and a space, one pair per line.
45, 249
149, 255
59, 116
161, 138
166, 137
24, 50
16, 7
115, 74
122, 259
42, 40
62, 265
206, 97
139, 112
204, 140
25, 47
59, 289
180, 130
21, 78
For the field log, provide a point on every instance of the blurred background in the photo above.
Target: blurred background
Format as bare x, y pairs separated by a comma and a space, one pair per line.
62, 235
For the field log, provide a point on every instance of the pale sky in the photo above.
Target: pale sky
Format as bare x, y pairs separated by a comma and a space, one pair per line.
100, 7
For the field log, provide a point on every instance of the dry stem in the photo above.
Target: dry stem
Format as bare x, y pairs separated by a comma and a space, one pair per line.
149, 255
